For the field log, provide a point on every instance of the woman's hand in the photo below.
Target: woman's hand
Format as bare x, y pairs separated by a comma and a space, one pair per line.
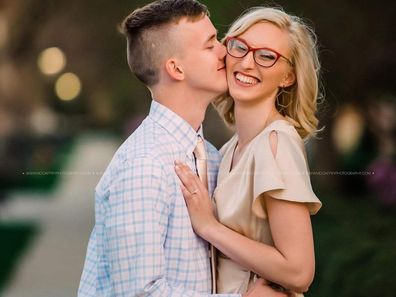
262, 287
197, 199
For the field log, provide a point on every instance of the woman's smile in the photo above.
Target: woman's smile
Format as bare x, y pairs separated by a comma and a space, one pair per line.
245, 80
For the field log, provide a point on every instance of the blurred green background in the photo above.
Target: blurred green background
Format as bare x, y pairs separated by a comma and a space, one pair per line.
67, 100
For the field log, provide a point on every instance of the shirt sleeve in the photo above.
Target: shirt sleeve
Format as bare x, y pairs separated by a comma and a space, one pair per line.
135, 231
285, 176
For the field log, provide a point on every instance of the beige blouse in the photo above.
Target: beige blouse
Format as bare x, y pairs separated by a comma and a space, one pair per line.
238, 193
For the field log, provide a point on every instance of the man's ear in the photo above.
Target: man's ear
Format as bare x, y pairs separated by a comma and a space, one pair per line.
289, 79
174, 69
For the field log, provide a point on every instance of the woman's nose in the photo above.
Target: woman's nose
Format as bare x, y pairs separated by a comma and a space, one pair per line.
248, 61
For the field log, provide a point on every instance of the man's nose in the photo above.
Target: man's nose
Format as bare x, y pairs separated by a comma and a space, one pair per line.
222, 51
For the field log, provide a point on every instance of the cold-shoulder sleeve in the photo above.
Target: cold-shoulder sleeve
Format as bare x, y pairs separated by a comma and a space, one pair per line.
285, 176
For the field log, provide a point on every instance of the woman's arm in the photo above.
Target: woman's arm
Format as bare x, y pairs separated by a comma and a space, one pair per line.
290, 263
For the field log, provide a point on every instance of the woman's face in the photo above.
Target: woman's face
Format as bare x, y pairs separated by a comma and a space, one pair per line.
249, 81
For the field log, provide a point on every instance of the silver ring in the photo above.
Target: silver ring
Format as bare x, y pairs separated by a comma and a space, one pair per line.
194, 192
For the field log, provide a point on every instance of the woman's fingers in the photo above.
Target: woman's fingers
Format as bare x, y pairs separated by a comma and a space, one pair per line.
186, 194
196, 198
188, 178
191, 186
262, 288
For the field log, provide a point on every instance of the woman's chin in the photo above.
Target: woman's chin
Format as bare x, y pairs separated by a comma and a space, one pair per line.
240, 95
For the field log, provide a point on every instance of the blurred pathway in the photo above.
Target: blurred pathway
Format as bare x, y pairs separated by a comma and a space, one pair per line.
53, 263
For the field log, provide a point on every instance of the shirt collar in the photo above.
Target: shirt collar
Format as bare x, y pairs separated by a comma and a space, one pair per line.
182, 131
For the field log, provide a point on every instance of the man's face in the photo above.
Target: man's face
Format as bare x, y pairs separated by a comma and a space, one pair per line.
202, 57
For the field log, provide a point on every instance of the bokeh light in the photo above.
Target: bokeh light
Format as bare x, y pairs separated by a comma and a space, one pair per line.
348, 130
51, 61
3, 32
68, 86
44, 121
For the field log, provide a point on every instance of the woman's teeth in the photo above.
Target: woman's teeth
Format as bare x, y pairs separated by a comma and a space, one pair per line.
246, 79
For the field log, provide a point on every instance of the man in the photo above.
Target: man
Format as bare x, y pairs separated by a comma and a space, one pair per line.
143, 243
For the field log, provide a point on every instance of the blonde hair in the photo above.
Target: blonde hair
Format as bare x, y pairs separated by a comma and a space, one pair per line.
298, 103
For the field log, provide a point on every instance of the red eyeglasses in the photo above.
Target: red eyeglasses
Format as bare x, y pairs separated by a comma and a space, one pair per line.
265, 57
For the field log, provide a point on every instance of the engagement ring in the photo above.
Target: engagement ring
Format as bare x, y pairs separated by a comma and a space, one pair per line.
194, 192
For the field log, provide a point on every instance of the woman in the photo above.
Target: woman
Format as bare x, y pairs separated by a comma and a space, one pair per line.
264, 197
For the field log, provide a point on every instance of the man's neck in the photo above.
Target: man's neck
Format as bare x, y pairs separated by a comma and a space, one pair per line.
188, 106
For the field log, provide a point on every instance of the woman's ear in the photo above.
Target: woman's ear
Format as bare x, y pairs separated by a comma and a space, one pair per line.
174, 69
289, 79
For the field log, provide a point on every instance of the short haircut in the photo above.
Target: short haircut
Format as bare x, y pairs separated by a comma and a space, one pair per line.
146, 30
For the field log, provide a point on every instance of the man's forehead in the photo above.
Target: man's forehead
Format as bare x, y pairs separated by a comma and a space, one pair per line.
201, 29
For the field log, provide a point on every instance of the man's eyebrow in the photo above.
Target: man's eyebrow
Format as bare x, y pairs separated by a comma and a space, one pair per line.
213, 36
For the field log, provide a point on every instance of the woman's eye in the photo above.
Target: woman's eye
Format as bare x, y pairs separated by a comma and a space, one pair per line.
267, 56
241, 48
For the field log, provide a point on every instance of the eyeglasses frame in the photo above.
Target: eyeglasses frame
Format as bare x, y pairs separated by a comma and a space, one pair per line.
254, 49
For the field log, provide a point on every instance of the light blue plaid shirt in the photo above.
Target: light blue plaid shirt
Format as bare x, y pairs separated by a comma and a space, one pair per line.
143, 243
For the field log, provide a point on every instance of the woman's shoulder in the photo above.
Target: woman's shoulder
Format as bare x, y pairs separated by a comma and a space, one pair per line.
283, 169
282, 135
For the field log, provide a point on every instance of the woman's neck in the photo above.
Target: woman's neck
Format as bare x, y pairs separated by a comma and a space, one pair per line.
251, 119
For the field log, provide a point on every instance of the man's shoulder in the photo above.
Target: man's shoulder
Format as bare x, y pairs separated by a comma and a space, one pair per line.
142, 144
145, 141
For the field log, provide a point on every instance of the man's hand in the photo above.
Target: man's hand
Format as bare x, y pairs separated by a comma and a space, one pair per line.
261, 288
